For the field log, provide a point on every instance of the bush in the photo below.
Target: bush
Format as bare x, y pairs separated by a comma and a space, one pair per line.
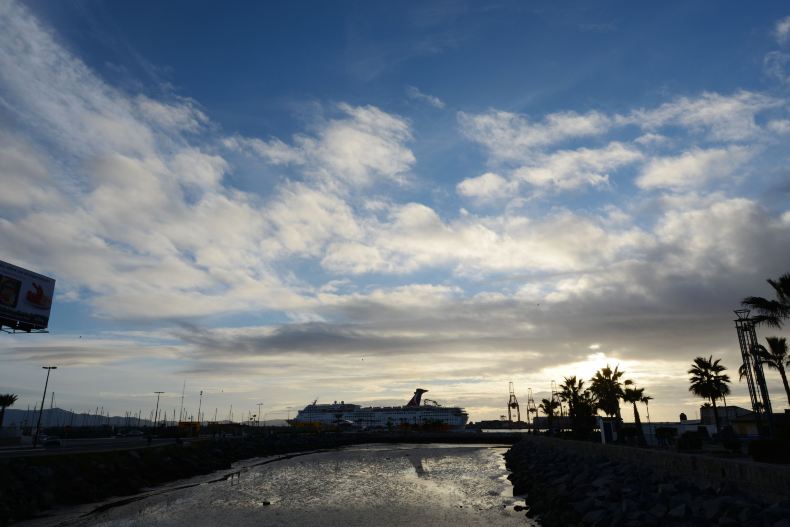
690, 441
769, 451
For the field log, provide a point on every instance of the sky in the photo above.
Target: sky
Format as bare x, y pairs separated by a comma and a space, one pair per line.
279, 202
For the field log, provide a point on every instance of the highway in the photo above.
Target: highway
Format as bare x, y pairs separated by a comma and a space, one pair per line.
76, 446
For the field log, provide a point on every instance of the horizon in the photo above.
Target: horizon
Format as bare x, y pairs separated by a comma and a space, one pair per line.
280, 203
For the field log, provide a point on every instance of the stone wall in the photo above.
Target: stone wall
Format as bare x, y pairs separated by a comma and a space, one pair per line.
759, 479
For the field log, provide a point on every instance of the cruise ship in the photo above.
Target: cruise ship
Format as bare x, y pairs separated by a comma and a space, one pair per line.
416, 414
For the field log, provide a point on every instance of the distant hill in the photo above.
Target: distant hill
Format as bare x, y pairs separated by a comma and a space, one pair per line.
59, 417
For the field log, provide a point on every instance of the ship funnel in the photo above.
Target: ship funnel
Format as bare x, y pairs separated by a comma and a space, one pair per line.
415, 400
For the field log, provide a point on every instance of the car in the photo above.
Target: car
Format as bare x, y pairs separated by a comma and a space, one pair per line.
52, 442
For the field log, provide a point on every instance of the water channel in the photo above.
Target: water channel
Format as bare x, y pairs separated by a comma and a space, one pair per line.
368, 485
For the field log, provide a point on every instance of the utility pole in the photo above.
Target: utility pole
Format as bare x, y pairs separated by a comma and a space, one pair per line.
156, 412
200, 405
43, 400
259, 414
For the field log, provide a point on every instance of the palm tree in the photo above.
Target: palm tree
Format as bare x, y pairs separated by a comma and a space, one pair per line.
6, 400
708, 381
608, 389
772, 312
581, 405
570, 391
549, 407
633, 396
776, 357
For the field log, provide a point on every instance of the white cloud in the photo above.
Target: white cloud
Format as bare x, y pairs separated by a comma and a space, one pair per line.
415, 94
693, 168
779, 126
509, 136
775, 65
568, 169
364, 146
782, 30
488, 186
720, 117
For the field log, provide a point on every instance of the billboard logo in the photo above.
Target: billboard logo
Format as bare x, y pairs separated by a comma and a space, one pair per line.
25, 298
38, 299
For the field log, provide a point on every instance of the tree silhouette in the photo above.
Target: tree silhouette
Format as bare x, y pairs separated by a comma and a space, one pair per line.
581, 405
549, 407
708, 381
633, 396
776, 357
608, 390
772, 312
6, 400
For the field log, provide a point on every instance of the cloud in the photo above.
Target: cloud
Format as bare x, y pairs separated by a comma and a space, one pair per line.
364, 146
509, 136
779, 126
775, 65
693, 168
720, 117
568, 169
416, 95
782, 30
488, 186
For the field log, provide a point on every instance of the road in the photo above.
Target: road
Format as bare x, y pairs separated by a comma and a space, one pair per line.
76, 446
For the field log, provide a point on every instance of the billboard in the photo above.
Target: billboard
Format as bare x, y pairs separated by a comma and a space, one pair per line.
25, 298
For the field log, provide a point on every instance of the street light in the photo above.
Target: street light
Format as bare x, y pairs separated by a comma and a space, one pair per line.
43, 398
200, 405
156, 412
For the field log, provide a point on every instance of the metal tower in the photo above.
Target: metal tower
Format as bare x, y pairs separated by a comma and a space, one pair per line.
531, 407
512, 404
753, 367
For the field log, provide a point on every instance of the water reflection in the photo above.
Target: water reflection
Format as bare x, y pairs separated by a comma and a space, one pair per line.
437, 485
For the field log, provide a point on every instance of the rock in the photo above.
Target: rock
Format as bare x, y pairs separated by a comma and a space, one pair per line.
681, 511
519, 508
582, 506
658, 510
603, 481
593, 517
665, 489
713, 508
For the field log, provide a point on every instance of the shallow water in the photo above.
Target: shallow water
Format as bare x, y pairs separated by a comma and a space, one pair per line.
436, 485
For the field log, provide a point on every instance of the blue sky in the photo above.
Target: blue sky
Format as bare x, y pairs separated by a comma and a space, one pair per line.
345, 200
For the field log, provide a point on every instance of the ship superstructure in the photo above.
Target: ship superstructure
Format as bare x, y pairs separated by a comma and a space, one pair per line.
415, 414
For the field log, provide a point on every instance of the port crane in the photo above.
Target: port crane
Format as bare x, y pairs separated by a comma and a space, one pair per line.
512, 404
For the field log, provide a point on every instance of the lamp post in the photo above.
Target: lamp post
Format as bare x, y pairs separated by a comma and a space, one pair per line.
200, 405
156, 412
43, 398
